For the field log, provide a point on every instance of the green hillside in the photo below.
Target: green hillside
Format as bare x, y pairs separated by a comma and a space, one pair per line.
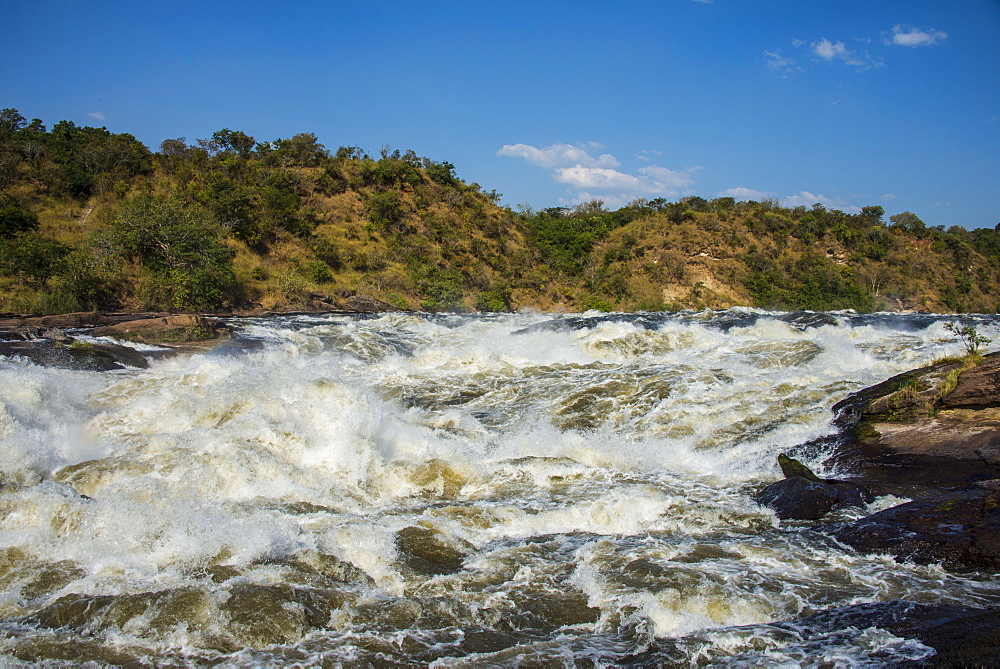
95, 220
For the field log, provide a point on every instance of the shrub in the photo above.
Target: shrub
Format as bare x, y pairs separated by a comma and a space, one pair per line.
594, 302
14, 220
319, 272
496, 299
385, 210
969, 335
178, 246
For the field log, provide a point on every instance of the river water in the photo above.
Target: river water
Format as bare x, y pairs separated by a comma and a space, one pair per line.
461, 491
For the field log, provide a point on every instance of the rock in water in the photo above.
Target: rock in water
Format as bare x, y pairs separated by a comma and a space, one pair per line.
791, 467
797, 498
804, 496
428, 551
961, 530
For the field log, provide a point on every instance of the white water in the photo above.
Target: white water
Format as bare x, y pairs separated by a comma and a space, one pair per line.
592, 476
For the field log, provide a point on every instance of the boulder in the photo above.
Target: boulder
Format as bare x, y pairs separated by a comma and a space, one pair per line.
960, 530
797, 498
428, 551
802, 495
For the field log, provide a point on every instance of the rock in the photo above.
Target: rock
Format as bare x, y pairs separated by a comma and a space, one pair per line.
95, 357
166, 329
960, 530
368, 305
956, 636
977, 387
802, 495
791, 467
939, 410
428, 551
797, 498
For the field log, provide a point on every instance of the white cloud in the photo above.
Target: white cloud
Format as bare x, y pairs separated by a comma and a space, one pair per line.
645, 155
98, 115
673, 182
914, 37
838, 51
806, 199
559, 155
890, 196
655, 181
586, 174
776, 61
741, 193
828, 50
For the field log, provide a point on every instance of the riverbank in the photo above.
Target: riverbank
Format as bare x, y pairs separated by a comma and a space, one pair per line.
931, 434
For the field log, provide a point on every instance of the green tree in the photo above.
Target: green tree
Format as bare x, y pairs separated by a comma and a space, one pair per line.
873, 214
386, 211
233, 141
178, 243
908, 222
13, 219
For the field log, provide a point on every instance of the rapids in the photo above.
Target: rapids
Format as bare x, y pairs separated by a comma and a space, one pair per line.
452, 490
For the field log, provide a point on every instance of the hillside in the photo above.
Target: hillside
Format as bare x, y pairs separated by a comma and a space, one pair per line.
94, 220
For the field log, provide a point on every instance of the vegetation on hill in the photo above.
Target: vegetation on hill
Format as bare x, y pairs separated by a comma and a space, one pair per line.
95, 220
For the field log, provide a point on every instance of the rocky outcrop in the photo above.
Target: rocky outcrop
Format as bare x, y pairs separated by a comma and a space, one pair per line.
367, 305
44, 341
945, 410
802, 495
166, 329
933, 435
951, 635
960, 530
67, 353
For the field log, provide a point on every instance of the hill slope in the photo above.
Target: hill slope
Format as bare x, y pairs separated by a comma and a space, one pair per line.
94, 220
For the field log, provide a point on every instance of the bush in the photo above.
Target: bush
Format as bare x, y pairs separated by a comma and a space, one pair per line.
594, 302
31, 256
318, 272
385, 210
442, 289
178, 246
496, 300
14, 220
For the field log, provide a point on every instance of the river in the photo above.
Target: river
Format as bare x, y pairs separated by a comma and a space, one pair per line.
450, 490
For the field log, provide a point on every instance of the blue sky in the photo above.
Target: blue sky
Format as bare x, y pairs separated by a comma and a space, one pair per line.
874, 102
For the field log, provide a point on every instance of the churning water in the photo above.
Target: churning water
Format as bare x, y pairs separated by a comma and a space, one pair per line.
462, 491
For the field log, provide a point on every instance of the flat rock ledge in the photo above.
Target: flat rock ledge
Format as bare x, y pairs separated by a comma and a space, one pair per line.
937, 411
44, 341
171, 329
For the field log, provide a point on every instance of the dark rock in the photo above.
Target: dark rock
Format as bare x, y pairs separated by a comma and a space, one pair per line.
958, 636
960, 530
96, 357
797, 498
428, 551
791, 467
802, 495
